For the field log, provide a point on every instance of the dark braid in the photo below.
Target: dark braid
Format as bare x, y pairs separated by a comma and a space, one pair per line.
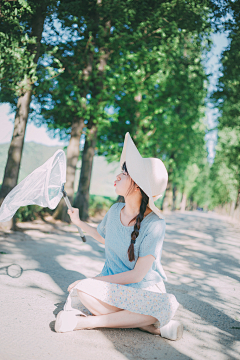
135, 232
138, 218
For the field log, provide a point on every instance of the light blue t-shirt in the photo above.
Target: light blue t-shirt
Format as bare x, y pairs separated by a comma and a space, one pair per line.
118, 238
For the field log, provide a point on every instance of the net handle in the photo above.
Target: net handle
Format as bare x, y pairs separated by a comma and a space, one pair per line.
70, 208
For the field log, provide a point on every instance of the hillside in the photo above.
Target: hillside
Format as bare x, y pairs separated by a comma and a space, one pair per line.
103, 176
34, 155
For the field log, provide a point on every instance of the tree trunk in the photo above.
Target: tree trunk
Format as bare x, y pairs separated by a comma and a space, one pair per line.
16, 146
194, 205
167, 201
191, 204
174, 191
237, 205
82, 198
236, 212
12, 167
232, 207
72, 159
183, 202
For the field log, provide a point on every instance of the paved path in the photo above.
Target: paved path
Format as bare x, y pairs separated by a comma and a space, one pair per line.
201, 259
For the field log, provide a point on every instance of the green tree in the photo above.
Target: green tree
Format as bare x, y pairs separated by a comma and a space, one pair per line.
129, 56
22, 26
69, 101
227, 101
162, 105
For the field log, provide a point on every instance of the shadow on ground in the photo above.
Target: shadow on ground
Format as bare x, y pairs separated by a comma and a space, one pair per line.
201, 259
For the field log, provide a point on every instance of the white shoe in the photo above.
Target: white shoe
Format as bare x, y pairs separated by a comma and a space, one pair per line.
66, 321
172, 331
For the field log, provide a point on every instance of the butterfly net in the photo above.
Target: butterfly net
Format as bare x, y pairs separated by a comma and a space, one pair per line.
42, 187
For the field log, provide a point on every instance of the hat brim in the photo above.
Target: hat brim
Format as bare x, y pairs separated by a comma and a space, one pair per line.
136, 169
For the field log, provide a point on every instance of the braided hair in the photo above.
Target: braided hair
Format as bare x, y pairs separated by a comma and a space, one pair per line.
138, 218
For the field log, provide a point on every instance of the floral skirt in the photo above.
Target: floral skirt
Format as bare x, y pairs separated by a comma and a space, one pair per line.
152, 300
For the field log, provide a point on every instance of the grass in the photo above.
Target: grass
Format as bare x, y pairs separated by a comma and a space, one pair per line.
97, 205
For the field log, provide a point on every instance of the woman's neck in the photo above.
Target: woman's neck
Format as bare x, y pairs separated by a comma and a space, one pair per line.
131, 211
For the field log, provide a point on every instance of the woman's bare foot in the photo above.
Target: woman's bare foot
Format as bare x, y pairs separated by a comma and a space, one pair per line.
151, 329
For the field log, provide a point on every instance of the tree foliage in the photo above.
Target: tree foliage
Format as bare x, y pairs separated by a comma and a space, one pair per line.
19, 46
161, 102
227, 100
132, 67
15, 57
22, 26
127, 65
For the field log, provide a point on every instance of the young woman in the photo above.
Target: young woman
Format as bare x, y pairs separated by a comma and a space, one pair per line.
129, 292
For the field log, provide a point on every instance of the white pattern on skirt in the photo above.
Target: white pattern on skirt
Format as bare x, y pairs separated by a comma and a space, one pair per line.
152, 300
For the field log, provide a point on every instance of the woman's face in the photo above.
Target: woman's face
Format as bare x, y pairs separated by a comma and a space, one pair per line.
122, 183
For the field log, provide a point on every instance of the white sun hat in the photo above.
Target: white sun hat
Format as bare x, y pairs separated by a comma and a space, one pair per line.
150, 174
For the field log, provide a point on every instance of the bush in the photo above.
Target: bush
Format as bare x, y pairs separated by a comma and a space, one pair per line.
31, 212
99, 204
159, 202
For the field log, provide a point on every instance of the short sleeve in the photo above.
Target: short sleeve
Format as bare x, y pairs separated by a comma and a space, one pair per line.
153, 241
101, 228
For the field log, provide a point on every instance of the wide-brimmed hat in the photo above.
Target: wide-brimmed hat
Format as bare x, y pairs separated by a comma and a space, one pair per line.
150, 174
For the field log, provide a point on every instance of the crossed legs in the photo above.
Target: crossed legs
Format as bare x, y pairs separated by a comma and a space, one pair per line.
112, 317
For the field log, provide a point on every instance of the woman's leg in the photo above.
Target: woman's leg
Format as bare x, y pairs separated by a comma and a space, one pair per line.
97, 307
119, 319
151, 329
113, 317
123, 318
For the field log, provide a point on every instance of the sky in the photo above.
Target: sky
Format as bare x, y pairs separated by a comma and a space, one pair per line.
220, 43
33, 133
40, 135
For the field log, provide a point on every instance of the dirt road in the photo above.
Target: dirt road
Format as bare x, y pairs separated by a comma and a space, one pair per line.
201, 258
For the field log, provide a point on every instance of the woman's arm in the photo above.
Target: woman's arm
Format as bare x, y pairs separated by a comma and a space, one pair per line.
136, 275
74, 215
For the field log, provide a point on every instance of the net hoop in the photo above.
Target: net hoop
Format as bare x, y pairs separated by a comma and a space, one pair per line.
42, 187
58, 156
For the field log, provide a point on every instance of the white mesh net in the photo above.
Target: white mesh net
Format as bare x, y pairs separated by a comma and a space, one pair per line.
42, 187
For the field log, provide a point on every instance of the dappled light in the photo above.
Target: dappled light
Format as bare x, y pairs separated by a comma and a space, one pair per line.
200, 258
141, 93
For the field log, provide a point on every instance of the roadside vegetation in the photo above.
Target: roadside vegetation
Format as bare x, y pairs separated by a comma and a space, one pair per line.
94, 70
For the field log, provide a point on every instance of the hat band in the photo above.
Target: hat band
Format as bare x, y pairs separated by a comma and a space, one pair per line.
155, 197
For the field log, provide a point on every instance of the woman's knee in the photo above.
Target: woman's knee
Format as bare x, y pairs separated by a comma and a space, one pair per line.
82, 295
86, 299
88, 302
97, 307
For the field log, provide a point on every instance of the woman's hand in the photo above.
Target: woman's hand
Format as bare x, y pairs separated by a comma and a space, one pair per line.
72, 285
74, 215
